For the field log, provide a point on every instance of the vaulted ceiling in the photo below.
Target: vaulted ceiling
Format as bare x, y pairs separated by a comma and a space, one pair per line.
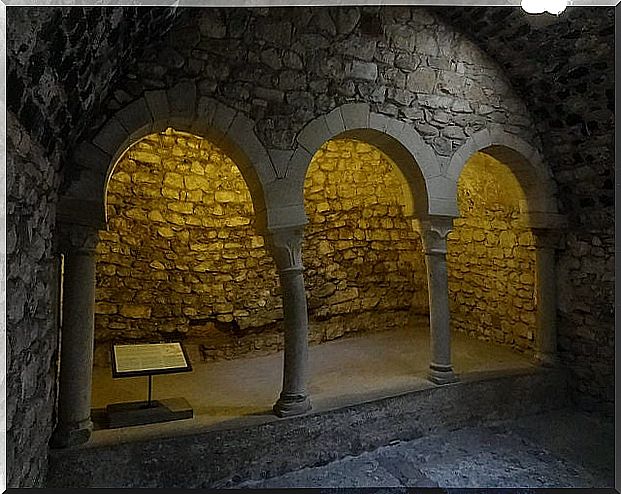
62, 62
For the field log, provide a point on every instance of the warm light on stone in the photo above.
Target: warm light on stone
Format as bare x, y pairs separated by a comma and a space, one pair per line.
491, 257
181, 242
364, 264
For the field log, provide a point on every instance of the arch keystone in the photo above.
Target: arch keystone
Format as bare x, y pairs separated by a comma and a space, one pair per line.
182, 100
378, 122
355, 115
203, 117
334, 121
157, 101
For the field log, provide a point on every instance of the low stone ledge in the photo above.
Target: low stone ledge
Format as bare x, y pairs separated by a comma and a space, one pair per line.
224, 458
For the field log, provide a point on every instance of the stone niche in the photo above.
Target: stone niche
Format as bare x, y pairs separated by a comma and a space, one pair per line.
365, 267
491, 257
181, 259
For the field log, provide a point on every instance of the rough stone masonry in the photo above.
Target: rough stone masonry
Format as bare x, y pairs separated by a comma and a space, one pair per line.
70, 68
180, 258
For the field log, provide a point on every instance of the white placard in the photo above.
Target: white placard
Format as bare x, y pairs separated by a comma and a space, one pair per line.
149, 357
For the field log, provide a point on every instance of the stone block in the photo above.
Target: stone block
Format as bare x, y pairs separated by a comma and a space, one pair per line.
182, 100
89, 156
203, 118
241, 131
362, 48
401, 96
212, 25
274, 95
314, 135
223, 117
157, 101
366, 71
355, 115
135, 311
172, 179
422, 80
453, 132
334, 121
112, 138
136, 119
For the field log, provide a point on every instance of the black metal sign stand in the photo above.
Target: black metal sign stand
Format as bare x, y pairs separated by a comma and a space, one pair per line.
150, 411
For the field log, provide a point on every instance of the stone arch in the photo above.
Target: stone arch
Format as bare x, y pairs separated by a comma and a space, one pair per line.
84, 201
399, 140
522, 159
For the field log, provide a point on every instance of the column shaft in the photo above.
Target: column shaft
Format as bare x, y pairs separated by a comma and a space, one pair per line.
286, 246
76, 345
439, 318
296, 337
546, 352
434, 239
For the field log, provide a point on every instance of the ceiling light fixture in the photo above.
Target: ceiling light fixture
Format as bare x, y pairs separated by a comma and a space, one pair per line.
554, 7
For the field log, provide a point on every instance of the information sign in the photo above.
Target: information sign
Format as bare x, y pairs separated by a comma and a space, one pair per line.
149, 359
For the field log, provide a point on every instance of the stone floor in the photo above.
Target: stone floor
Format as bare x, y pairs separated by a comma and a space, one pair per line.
558, 449
342, 372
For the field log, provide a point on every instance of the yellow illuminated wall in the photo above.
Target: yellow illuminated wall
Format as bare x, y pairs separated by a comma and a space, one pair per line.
364, 264
181, 259
491, 257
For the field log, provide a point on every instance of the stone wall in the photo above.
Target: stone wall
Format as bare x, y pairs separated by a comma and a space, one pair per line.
574, 110
31, 307
181, 258
283, 67
61, 60
491, 258
365, 268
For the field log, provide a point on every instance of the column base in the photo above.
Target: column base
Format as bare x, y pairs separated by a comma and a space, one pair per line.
441, 374
67, 436
289, 405
547, 359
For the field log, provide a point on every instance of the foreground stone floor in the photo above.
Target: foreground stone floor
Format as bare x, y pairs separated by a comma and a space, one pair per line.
564, 448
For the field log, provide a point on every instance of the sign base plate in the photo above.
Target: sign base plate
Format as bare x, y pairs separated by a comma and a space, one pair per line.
141, 412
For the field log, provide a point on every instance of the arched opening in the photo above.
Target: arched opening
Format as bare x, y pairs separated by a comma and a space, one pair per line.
491, 259
364, 267
181, 261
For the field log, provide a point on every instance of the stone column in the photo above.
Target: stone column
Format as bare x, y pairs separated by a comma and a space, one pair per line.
546, 243
74, 424
434, 232
286, 248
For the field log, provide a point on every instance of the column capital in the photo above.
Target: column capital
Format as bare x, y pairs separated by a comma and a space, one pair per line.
77, 239
433, 231
286, 247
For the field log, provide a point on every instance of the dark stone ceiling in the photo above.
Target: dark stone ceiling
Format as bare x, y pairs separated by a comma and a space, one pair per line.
62, 63
563, 67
